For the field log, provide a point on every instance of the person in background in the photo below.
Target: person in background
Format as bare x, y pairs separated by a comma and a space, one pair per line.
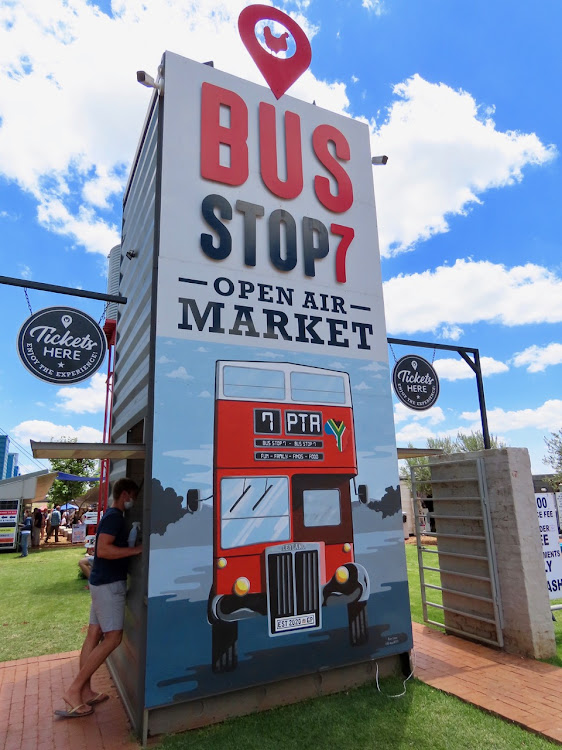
55, 524
108, 589
25, 534
44, 514
85, 563
36, 530
47, 515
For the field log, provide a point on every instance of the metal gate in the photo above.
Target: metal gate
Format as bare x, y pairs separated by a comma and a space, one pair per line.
459, 572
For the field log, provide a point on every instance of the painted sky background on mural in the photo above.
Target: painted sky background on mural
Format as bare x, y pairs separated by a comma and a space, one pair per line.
460, 96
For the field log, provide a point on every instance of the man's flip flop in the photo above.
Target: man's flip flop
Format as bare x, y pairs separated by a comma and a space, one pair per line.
99, 698
74, 713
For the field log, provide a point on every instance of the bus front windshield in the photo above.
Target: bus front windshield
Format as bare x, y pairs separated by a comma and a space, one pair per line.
254, 510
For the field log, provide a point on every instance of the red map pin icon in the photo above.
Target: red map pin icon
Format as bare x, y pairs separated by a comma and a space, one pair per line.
279, 72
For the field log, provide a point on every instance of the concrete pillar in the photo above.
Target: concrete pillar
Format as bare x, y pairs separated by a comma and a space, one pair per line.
527, 620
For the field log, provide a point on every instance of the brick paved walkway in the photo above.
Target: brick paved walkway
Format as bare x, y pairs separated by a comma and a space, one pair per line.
522, 690
30, 691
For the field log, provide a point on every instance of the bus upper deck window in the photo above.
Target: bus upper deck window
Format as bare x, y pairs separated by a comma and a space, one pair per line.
321, 507
254, 383
317, 388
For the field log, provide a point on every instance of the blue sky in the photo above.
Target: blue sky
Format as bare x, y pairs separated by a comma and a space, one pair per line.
460, 96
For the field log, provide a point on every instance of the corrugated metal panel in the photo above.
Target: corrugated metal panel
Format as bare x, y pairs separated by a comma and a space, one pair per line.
130, 401
113, 278
132, 393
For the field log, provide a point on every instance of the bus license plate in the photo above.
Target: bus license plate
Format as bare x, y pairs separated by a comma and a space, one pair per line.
285, 624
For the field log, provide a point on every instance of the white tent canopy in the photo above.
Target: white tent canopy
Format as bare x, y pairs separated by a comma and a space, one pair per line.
30, 487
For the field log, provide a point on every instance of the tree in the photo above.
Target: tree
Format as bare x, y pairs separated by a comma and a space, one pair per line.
422, 473
65, 491
463, 443
475, 442
554, 457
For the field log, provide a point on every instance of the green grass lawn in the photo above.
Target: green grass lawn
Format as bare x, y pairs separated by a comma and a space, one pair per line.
414, 584
424, 719
44, 606
435, 596
44, 609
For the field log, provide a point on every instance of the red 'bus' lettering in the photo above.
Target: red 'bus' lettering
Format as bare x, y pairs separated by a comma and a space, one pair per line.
292, 186
213, 134
343, 199
234, 136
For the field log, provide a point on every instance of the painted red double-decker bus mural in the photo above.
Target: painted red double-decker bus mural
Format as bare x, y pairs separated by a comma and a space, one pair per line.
284, 468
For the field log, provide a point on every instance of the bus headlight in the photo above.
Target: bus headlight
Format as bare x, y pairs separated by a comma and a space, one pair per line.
241, 586
342, 574
221, 562
347, 547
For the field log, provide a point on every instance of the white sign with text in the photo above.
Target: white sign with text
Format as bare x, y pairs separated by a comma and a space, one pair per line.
548, 528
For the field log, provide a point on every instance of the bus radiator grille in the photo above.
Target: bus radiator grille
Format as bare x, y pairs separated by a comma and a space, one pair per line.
294, 586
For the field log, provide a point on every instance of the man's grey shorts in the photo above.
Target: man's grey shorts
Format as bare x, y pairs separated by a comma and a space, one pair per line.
108, 605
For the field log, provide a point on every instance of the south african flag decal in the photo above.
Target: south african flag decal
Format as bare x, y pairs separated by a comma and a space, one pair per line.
336, 429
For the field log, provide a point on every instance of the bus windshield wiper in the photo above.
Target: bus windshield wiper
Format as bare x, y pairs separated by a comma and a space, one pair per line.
240, 498
262, 497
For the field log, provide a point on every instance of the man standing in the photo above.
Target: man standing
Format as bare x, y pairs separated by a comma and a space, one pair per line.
55, 523
108, 586
25, 534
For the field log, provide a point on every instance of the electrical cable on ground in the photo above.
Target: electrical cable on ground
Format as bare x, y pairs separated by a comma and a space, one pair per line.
403, 693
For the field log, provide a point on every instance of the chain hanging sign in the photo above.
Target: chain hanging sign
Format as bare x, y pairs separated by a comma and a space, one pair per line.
61, 345
415, 382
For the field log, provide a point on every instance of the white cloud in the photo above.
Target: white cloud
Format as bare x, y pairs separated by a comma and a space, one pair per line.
180, 373
97, 191
164, 360
547, 416
449, 368
471, 292
362, 386
377, 6
444, 153
204, 394
84, 400
414, 432
445, 150
8, 216
373, 367
538, 358
451, 332
83, 227
41, 430
25, 272
51, 62
431, 416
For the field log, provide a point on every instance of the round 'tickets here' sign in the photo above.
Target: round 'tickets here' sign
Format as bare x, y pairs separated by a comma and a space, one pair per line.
61, 345
415, 382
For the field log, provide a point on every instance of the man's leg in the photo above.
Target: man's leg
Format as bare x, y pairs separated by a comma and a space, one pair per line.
93, 637
107, 614
24, 543
56, 534
76, 693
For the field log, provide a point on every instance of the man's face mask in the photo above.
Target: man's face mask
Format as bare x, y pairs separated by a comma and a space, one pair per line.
129, 503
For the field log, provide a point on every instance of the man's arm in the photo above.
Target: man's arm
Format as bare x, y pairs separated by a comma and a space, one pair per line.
109, 551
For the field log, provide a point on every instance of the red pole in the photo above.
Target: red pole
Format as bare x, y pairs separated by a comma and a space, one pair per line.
110, 329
